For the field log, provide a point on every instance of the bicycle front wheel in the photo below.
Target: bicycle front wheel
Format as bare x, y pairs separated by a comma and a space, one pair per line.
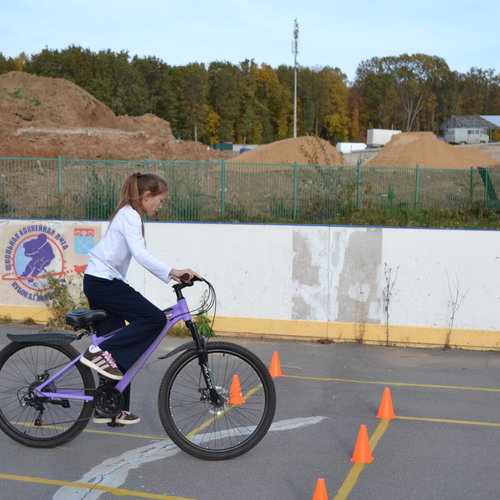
42, 422
233, 425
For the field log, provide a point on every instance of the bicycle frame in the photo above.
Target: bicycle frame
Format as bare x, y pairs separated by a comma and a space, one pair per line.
215, 400
174, 314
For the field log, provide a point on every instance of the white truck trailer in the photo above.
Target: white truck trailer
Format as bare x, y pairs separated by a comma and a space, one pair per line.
350, 147
466, 136
378, 137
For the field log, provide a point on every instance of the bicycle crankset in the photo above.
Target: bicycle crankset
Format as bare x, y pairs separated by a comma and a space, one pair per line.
108, 401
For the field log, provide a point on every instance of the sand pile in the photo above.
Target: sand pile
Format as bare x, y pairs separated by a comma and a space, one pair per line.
300, 150
49, 117
426, 150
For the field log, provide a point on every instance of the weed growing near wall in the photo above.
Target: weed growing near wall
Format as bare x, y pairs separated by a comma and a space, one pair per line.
6, 318
67, 295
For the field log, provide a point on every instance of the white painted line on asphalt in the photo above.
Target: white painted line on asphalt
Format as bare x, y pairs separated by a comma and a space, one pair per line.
113, 472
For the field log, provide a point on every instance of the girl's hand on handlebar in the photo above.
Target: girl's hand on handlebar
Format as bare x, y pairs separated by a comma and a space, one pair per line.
184, 275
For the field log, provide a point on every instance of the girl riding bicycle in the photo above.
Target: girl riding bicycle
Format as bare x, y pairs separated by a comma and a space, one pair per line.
105, 287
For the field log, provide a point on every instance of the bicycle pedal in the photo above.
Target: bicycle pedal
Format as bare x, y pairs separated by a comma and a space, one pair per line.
114, 424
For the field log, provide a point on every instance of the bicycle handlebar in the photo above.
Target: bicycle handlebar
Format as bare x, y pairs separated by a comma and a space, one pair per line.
185, 279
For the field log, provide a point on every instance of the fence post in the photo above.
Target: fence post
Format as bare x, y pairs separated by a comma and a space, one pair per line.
145, 164
295, 168
358, 190
417, 179
223, 190
59, 176
486, 188
59, 185
471, 184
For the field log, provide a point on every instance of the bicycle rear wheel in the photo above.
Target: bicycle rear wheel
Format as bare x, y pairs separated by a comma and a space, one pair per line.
217, 431
32, 420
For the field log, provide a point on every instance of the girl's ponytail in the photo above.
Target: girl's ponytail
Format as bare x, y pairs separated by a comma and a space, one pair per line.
135, 186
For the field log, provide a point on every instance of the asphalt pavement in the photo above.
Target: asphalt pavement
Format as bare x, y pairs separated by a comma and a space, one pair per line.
443, 443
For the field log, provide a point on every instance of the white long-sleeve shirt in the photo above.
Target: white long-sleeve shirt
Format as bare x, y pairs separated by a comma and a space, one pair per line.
110, 258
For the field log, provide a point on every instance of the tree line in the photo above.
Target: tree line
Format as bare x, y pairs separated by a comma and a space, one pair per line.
250, 103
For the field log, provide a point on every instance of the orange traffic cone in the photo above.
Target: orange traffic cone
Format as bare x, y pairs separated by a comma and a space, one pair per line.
362, 452
320, 492
386, 410
235, 395
275, 368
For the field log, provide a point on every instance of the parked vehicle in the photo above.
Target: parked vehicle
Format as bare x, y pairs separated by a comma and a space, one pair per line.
378, 137
466, 136
350, 147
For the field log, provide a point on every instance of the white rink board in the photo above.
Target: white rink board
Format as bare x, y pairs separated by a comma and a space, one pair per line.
295, 273
321, 273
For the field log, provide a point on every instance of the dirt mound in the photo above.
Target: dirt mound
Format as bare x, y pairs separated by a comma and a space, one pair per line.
49, 117
34, 100
196, 151
148, 123
300, 150
427, 151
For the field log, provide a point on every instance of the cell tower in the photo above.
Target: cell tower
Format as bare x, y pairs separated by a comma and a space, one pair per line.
295, 51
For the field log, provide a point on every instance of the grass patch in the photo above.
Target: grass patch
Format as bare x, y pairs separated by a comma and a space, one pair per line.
6, 318
17, 94
469, 218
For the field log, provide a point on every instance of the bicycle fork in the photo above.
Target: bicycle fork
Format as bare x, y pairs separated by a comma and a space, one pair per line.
201, 351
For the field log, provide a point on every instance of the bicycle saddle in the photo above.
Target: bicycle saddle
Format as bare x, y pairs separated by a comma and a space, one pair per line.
80, 318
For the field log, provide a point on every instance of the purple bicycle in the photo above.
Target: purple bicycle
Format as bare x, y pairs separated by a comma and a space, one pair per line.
216, 400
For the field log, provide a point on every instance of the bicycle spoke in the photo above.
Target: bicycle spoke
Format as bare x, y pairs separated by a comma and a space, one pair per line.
42, 421
204, 428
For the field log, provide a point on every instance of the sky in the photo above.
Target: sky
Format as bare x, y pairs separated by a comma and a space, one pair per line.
333, 33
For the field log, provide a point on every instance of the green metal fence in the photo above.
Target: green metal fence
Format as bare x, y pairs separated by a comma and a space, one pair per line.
228, 191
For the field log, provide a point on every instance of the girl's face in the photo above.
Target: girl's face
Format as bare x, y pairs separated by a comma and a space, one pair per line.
152, 203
